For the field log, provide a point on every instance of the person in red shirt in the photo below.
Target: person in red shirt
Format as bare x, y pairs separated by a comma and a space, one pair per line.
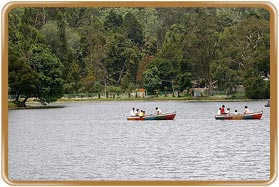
223, 110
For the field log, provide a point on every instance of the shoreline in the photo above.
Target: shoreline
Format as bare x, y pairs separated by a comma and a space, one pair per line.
161, 98
37, 105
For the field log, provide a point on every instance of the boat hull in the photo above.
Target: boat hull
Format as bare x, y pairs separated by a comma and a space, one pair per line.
256, 115
169, 116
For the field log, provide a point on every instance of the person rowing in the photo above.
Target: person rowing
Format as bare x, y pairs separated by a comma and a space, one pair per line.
158, 111
246, 110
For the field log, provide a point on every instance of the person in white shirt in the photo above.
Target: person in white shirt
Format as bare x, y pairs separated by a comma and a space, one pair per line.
228, 111
219, 112
246, 110
235, 112
133, 112
158, 111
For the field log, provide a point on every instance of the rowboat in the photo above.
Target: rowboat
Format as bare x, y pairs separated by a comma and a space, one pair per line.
167, 116
254, 115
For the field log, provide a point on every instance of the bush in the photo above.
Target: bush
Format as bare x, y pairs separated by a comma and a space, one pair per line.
257, 88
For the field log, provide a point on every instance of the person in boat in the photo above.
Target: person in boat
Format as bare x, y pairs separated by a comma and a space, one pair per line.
141, 114
223, 110
219, 112
236, 112
137, 112
228, 111
246, 110
133, 112
158, 111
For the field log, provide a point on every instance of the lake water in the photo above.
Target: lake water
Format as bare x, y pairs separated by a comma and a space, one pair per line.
94, 141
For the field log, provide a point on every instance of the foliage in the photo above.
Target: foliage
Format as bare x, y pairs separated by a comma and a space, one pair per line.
23, 79
130, 48
49, 69
133, 29
151, 79
184, 81
41, 77
257, 88
73, 78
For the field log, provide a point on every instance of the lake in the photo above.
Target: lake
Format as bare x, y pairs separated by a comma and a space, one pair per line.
94, 141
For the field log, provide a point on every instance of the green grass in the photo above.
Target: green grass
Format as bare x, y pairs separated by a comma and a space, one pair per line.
160, 98
11, 105
35, 105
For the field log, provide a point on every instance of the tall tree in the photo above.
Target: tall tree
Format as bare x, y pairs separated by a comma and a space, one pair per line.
49, 69
244, 48
133, 29
201, 42
122, 59
62, 48
33, 70
40, 77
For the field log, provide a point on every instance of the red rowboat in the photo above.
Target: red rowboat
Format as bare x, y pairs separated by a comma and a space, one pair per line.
167, 116
255, 115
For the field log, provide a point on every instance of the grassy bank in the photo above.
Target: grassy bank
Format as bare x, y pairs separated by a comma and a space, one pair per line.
31, 104
160, 98
12, 105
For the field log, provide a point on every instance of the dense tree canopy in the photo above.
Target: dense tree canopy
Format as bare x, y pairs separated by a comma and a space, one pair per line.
81, 50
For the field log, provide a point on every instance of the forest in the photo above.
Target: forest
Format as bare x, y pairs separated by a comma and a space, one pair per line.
57, 51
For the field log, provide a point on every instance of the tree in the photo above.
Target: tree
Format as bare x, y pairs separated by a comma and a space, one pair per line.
141, 68
243, 52
163, 70
226, 77
33, 70
50, 33
23, 80
133, 29
41, 77
184, 81
88, 84
62, 48
150, 46
257, 88
73, 78
201, 43
124, 45
49, 69
113, 21
151, 80
122, 59
93, 48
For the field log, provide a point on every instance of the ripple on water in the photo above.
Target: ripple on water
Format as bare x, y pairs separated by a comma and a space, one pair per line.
94, 141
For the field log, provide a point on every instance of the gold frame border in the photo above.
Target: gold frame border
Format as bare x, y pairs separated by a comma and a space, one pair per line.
273, 86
